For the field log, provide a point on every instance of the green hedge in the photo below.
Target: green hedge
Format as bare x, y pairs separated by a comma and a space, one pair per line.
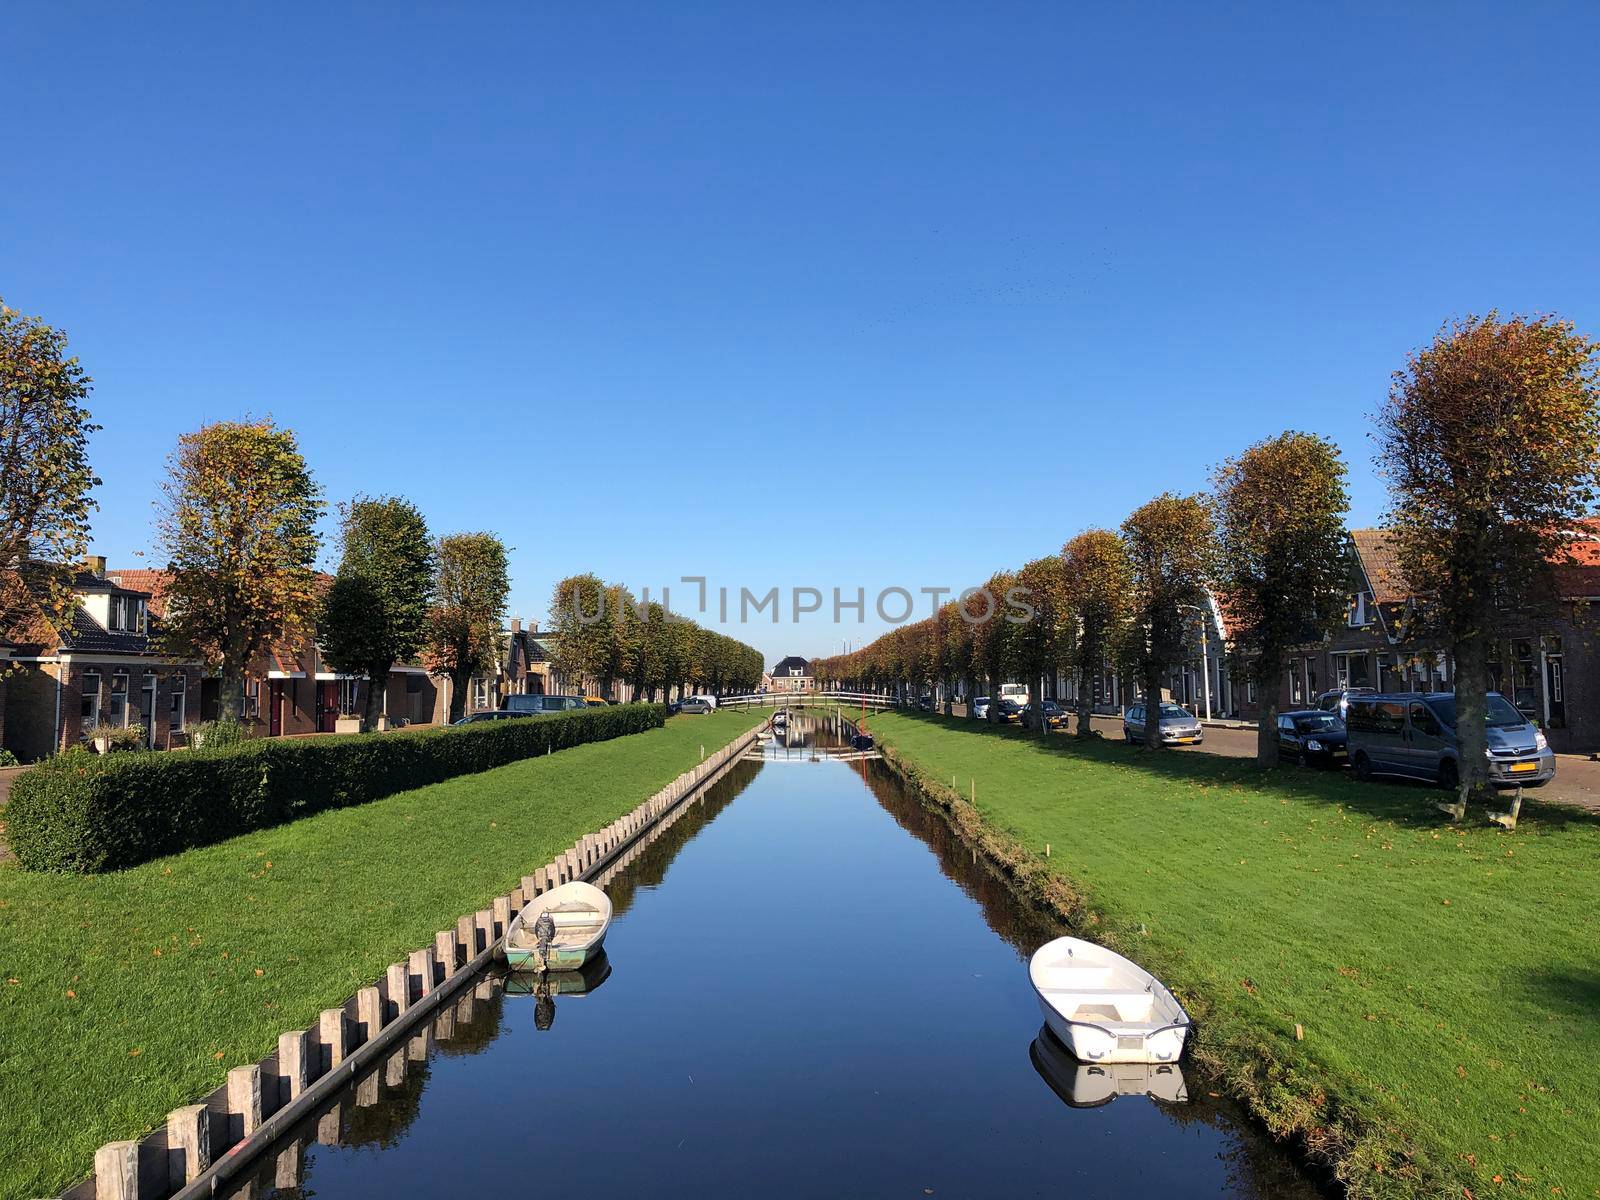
88, 813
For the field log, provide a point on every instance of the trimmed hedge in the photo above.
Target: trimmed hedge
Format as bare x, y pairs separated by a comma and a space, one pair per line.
86, 813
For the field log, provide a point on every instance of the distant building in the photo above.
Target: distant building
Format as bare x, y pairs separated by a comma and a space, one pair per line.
793, 674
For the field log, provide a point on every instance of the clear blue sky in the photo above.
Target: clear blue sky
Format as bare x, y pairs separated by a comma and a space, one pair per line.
626, 283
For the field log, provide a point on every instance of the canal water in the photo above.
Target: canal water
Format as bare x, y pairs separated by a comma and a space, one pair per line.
809, 990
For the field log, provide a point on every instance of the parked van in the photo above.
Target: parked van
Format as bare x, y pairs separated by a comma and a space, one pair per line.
537, 705
1414, 734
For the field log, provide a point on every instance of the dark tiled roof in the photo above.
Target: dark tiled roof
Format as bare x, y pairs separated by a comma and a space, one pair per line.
784, 667
86, 634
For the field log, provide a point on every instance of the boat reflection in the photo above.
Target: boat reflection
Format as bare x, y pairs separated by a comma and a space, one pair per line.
1090, 1085
544, 987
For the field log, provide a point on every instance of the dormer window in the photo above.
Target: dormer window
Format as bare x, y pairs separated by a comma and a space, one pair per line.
119, 612
1358, 612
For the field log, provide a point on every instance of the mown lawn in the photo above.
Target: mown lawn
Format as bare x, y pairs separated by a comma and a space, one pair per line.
127, 995
1447, 980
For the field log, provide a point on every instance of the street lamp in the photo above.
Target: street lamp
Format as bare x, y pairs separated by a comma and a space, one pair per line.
1205, 658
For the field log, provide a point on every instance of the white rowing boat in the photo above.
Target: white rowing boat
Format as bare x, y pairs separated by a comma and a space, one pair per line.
1105, 1008
578, 915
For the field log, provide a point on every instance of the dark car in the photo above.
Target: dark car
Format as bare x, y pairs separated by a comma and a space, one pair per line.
1010, 711
925, 704
1311, 737
1054, 715
492, 714
695, 705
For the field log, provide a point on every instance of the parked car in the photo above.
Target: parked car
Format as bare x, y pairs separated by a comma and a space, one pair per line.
1178, 726
695, 705
925, 703
596, 701
1010, 711
980, 707
1338, 700
1054, 715
711, 700
1311, 737
1413, 734
537, 705
489, 714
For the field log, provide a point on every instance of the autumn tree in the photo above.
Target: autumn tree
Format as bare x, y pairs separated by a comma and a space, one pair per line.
471, 582
1488, 442
993, 635
1042, 643
237, 523
1171, 555
45, 478
582, 618
1098, 580
1284, 566
376, 611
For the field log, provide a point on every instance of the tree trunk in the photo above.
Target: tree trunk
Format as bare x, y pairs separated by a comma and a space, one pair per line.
377, 685
1268, 669
1085, 700
1152, 706
1472, 738
460, 681
231, 694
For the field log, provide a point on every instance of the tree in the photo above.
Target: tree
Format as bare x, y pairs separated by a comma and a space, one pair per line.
45, 478
1172, 554
1098, 580
376, 611
1488, 442
1042, 643
583, 617
238, 526
471, 582
992, 635
1280, 512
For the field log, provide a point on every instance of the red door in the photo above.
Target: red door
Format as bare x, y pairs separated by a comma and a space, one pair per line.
327, 706
275, 707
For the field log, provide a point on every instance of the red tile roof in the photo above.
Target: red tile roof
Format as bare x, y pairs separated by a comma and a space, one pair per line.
144, 580
1378, 559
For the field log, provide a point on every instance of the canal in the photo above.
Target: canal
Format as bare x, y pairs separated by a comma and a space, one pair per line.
809, 989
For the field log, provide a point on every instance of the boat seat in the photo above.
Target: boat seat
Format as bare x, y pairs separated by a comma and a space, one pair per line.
1127, 1005
1073, 977
565, 920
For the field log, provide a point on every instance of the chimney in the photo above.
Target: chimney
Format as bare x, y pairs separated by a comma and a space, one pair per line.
97, 565
516, 624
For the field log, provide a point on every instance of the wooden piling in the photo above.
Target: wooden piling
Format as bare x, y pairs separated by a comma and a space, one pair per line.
116, 1171
530, 887
394, 1069
501, 915
420, 967
330, 1125
367, 1090
369, 1012
484, 923
333, 1034
397, 989
466, 934
293, 1055
447, 947
286, 1172
188, 1143
244, 1102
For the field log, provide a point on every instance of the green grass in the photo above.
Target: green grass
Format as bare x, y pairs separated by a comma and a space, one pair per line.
130, 994
1447, 980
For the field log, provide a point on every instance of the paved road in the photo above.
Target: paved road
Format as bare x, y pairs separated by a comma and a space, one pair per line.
1577, 779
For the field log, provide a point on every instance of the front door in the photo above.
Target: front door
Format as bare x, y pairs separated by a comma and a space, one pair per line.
327, 705
1555, 685
275, 708
147, 711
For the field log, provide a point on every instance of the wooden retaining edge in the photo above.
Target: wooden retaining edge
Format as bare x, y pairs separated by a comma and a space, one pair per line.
204, 1146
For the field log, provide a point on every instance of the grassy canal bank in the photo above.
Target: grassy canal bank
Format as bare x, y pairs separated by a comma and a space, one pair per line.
129, 994
1445, 980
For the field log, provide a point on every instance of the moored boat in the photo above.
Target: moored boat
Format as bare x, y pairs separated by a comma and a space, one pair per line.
560, 930
1105, 1008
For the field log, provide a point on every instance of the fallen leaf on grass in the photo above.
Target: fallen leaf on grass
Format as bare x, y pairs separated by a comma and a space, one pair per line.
219, 1054
135, 1052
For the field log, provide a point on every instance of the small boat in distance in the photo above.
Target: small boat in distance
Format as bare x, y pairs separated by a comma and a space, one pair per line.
560, 930
1091, 1085
1105, 1008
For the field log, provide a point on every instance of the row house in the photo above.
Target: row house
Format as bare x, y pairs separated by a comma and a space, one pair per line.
98, 672
1547, 666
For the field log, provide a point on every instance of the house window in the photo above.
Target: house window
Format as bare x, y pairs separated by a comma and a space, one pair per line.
480, 693
1250, 691
141, 616
413, 685
180, 695
91, 699
348, 691
252, 698
118, 611
1358, 611
117, 714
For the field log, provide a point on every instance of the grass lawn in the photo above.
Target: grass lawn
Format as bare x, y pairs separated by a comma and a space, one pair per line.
127, 995
1448, 980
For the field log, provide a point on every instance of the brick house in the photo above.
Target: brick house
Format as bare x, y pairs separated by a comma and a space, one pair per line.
100, 670
793, 674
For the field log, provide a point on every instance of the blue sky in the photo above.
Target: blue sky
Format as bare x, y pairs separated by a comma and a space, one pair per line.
778, 295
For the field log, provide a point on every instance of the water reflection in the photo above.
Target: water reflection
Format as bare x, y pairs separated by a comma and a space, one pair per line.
1089, 1085
793, 1004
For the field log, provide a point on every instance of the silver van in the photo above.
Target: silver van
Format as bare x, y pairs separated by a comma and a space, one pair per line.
1414, 734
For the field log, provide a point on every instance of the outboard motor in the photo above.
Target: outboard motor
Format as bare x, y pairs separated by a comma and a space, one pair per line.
544, 935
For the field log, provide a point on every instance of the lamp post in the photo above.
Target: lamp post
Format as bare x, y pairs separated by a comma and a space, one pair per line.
1205, 658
